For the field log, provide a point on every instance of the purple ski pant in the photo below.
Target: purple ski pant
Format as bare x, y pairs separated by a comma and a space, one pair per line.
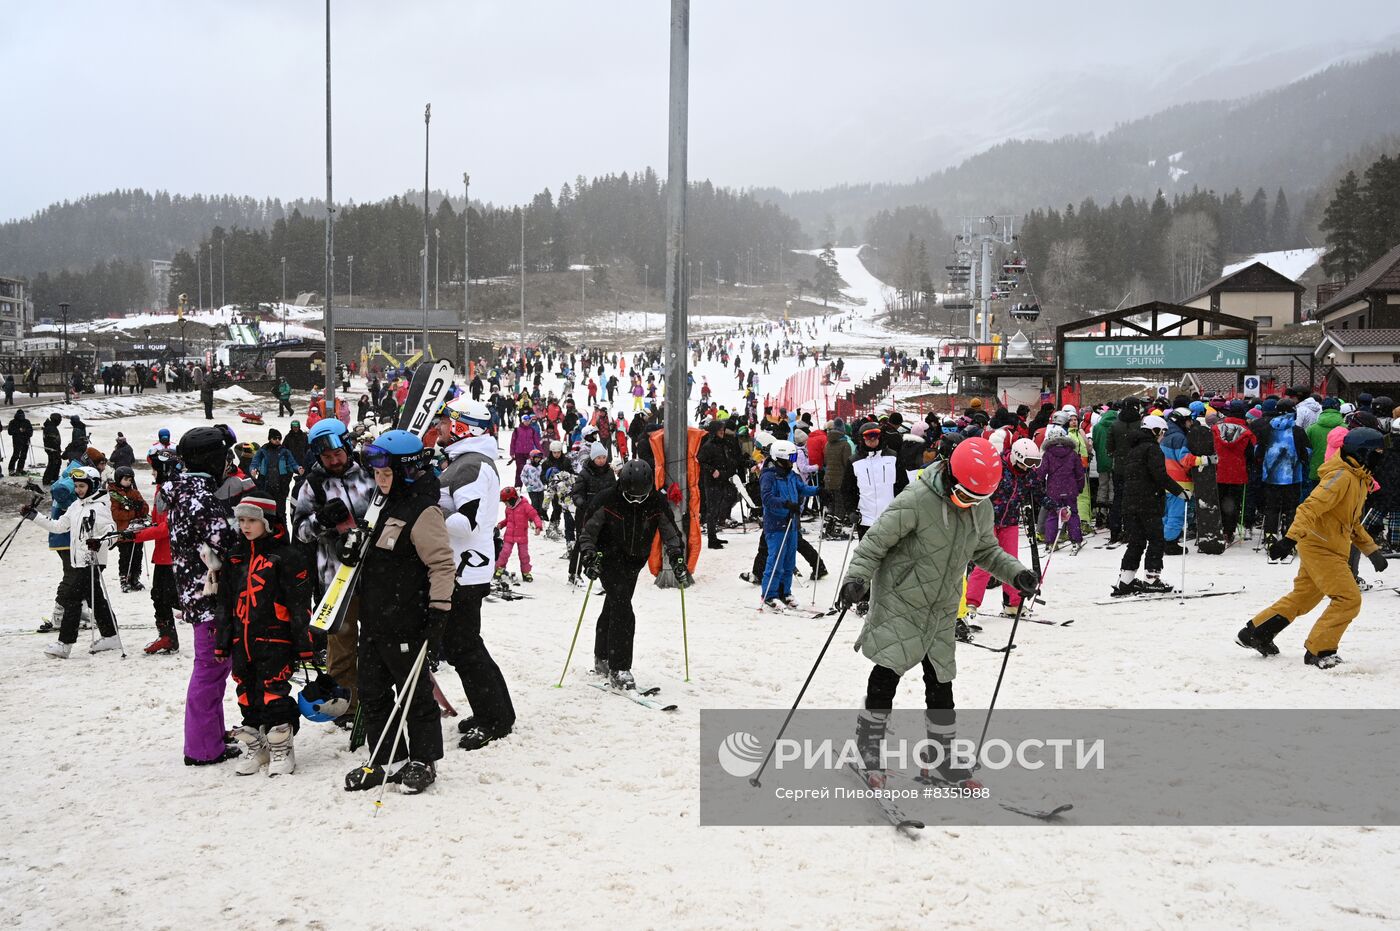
204, 699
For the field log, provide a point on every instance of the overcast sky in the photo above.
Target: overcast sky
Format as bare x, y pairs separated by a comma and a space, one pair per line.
227, 96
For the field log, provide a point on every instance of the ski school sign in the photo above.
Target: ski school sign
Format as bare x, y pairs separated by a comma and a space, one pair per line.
1154, 354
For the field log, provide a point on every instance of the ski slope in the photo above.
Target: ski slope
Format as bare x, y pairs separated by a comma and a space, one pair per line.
1290, 263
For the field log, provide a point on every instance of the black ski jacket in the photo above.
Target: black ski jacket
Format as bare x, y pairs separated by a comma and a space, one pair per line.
1145, 476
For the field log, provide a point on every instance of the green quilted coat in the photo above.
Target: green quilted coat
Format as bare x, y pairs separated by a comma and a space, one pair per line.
914, 556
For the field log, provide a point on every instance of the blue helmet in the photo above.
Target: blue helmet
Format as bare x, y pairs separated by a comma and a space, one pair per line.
323, 700
163, 435
398, 450
329, 433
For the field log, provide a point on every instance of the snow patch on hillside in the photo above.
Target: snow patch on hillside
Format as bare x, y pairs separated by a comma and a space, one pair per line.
1291, 263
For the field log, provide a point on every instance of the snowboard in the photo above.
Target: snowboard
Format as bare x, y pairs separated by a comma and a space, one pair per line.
1210, 533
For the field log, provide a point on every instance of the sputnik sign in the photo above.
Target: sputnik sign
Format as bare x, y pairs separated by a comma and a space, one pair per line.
1166, 354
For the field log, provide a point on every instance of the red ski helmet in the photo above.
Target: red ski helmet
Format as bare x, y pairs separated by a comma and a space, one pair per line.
976, 470
508, 494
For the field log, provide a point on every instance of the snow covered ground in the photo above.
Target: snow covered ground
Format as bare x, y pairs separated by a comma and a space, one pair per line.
1291, 263
588, 813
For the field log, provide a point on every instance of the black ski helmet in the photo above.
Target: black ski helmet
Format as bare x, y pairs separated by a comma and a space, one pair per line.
636, 481
166, 465
124, 472
205, 449
1364, 447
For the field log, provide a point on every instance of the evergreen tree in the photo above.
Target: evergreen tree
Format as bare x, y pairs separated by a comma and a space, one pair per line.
826, 282
1342, 222
1280, 223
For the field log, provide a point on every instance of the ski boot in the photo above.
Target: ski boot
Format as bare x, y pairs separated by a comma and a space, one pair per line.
1153, 585
937, 767
1261, 638
230, 753
1174, 548
58, 650
820, 572
1269, 541
45, 627
255, 751
622, 680
961, 631
1124, 589
526, 577
774, 605
971, 619
600, 668
282, 755
791, 602
870, 736
162, 645
573, 580
749, 577
498, 576
102, 644
136, 586
1324, 660
415, 776
476, 737
365, 777
126, 587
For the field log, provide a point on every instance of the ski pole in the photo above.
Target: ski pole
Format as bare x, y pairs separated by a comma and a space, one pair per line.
1005, 657
401, 706
111, 613
817, 568
763, 595
685, 638
753, 781
1054, 545
577, 628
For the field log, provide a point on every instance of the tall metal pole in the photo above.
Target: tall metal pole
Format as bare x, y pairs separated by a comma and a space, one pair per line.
676, 355
985, 336
223, 295
522, 283
284, 297
466, 276
427, 118
330, 238
646, 295
350, 291
437, 267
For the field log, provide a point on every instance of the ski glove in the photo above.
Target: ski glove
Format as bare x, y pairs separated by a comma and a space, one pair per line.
1026, 582
682, 572
1280, 548
854, 591
437, 622
28, 512
592, 563
331, 514
1378, 561
794, 507
94, 544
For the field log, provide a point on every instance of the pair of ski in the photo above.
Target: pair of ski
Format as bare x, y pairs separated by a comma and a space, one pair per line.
909, 826
1170, 596
644, 697
430, 390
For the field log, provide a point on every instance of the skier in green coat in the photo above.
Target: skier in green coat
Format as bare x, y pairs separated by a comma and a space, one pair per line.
910, 567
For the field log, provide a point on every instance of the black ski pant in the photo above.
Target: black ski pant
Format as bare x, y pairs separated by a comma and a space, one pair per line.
163, 599
804, 549
884, 681
1280, 503
1143, 530
384, 668
51, 470
485, 687
1231, 501
129, 560
617, 623
1253, 498
1115, 510
717, 503
262, 676
19, 458
82, 584
285, 403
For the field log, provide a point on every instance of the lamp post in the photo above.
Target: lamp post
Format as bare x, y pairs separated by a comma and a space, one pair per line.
437, 267
466, 276
223, 296
646, 293
350, 292
63, 357
427, 119
284, 297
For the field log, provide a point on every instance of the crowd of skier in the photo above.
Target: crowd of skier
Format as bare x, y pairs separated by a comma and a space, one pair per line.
246, 539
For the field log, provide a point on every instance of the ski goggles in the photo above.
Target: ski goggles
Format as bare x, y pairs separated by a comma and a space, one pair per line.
964, 498
378, 457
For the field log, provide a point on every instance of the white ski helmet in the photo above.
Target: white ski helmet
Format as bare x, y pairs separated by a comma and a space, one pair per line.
1153, 422
468, 417
783, 450
1025, 455
556, 446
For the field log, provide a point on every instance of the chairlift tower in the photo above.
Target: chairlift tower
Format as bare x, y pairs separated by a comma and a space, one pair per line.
978, 236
